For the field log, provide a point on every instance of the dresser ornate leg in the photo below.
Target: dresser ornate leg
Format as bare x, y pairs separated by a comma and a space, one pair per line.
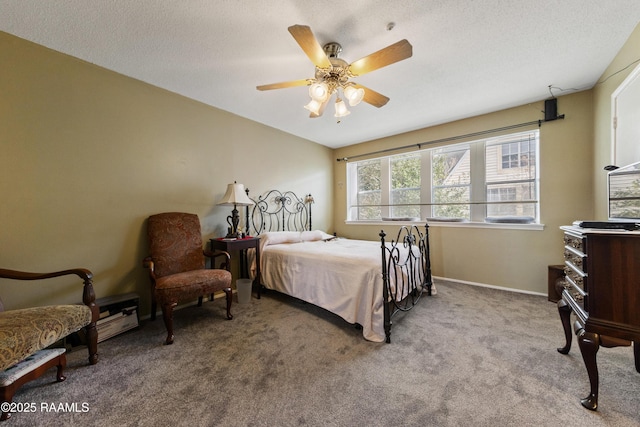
589, 344
636, 354
565, 316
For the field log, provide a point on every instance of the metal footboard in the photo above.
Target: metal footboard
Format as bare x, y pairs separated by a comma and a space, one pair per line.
406, 271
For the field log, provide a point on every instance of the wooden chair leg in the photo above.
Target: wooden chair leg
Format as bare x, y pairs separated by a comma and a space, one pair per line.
154, 306
6, 415
62, 363
6, 393
167, 315
92, 342
229, 297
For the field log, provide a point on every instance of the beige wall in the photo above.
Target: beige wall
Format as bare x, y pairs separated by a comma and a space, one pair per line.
507, 258
86, 155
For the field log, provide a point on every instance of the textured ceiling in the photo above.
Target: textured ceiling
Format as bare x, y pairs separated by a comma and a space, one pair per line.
469, 57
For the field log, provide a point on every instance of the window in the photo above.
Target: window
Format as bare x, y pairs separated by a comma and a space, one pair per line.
512, 184
369, 190
405, 186
495, 177
500, 194
516, 154
451, 182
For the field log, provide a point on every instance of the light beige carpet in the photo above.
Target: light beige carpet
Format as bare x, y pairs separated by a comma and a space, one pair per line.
467, 356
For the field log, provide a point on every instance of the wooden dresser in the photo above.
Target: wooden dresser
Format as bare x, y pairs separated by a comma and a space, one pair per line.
602, 289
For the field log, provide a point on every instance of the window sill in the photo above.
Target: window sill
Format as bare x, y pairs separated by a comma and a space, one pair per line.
468, 224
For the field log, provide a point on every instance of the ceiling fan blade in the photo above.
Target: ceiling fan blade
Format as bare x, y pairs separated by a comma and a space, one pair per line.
320, 110
387, 56
372, 97
282, 85
309, 44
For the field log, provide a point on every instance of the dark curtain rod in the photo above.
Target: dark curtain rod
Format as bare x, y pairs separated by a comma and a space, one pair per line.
452, 138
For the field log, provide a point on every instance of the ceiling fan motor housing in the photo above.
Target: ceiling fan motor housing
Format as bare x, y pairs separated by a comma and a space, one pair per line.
332, 49
338, 74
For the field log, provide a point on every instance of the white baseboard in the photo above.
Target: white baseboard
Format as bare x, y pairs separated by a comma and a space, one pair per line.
484, 285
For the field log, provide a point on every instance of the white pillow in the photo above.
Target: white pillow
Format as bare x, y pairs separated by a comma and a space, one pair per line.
311, 236
278, 237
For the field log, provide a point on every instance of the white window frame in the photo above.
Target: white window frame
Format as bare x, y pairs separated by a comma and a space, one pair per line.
479, 202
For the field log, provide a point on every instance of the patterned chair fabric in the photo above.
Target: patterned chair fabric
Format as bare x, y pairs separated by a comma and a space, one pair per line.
177, 265
23, 332
175, 243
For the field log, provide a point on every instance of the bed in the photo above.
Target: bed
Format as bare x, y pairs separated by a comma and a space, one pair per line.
364, 282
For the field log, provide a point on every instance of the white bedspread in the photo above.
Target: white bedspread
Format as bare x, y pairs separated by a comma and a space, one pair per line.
343, 276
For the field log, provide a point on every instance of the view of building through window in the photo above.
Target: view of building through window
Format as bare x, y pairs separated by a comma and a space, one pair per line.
512, 178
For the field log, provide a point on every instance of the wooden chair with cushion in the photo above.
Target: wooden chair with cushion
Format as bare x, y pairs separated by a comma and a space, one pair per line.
176, 264
26, 335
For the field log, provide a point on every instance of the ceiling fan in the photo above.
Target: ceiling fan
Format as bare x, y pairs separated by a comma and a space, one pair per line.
333, 75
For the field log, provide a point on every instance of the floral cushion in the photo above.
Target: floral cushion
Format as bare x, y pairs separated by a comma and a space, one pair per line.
23, 332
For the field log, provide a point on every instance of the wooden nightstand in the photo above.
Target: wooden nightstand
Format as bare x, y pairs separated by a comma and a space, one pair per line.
241, 245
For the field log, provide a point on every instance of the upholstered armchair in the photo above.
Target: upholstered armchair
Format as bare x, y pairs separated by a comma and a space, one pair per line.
176, 264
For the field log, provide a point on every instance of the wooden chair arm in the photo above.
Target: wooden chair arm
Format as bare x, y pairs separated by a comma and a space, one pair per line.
217, 253
88, 294
214, 254
83, 273
148, 263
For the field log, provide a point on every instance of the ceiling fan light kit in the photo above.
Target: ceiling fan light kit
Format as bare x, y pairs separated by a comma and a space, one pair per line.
333, 74
319, 91
341, 108
354, 95
314, 106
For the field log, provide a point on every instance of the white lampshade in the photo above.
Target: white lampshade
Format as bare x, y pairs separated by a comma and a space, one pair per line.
341, 109
353, 95
319, 92
235, 195
313, 106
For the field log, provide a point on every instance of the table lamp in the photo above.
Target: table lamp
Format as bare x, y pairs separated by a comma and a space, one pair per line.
234, 196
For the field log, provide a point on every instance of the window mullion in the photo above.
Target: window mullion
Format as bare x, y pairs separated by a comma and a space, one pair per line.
385, 186
478, 187
352, 191
426, 209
